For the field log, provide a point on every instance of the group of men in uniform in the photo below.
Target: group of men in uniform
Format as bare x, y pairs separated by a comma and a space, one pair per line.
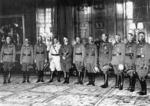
130, 58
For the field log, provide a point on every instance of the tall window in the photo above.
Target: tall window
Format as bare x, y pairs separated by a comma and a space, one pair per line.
44, 23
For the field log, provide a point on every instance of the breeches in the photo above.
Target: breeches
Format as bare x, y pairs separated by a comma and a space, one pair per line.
55, 64
7, 66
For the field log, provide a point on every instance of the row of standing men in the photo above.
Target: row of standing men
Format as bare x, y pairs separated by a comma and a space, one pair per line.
129, 58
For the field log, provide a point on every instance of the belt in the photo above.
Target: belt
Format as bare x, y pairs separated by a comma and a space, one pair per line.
78, 53
140, 56
55, 54
8, 54
117, 54
129, 54
26, 54
39, 52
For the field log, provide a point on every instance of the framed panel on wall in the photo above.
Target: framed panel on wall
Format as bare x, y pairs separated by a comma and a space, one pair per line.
14, 26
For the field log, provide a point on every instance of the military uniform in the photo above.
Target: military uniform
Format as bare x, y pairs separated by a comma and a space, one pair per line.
90, 61
142, 63
105, 55
130, 54
66, 60
40, 57
54, 57
26, 60
8, 55
78, 60
118, 54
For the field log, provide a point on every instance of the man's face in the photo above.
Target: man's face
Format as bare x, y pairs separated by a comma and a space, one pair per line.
55, 40
141, 36
117, 38
77, 39
90, 39
40, 39
8, 39
65, 40
104, 37
129, 37
26, 41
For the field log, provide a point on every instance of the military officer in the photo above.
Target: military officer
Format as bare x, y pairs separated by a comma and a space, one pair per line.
117, 61
8, 54
66, 58
78, 59
90, 60
40, 58
105, 52
142, 62
26, 60
130, 54
54, 57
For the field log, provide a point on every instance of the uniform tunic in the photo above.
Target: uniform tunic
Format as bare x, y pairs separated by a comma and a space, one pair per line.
130, 54
26, 57
118, 54
105, 55
90, 58
40, 55
54, 57
66, 57
8, 55
142, 59
78, 56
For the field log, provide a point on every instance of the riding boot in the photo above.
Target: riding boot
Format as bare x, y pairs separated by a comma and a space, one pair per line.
38, 76
81, 78
121, 81
105, 85
133, 80
52, 76
90, 79
78, 82
117, 81
5, 77
58, 76
130, 83
42, 75
28, 76
67, 77
24, 77
143, 88
93, 79
9, 76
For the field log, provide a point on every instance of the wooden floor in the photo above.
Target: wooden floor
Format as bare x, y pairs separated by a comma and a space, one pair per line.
58, 94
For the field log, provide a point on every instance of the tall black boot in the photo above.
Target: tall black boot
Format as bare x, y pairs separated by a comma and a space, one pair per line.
90, 79
5, 77
67, 77
24, 77
143, 88
93, 79
105, 85
121, 81
52, 76
133, 81
130, 83
58, 76
81, 78
28, 77
38, 80
42, 75
117, 81
9, 76
78, 82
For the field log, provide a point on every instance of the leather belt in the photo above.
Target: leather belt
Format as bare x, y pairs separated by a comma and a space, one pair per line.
39, 52
8, 54
129, 54
55, 54
78, 53
117, 54
26, 54
140, 56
